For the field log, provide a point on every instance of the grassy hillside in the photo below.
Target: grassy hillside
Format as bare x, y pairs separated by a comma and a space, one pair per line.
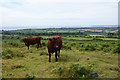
81, 54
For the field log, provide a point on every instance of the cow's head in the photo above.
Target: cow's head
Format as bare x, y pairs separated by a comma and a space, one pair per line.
55, 43
24, 40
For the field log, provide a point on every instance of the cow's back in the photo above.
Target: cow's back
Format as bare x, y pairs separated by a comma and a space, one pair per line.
32, 40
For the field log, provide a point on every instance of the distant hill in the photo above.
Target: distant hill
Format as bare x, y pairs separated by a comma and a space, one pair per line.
44, 27
104, 26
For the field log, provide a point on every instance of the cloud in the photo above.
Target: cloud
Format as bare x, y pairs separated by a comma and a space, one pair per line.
58, 12
68, 1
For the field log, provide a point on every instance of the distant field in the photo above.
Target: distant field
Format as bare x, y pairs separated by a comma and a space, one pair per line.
99, 30
75, 38
110, 39
98, 35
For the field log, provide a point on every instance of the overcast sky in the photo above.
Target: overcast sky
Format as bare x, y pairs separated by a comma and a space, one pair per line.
58, 12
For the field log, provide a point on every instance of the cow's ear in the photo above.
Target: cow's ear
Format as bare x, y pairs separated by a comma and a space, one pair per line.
50, 39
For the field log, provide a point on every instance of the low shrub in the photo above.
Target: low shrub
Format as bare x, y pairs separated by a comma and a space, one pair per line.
59, 70
80, 71
9, 54
90, 47
105, 45
75, 71
73, 44
17, 66
66, 47
116, 49
43, 53
30, 77
15, 43
107, 49
44, 44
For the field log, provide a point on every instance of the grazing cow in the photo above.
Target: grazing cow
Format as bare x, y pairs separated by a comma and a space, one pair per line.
54, 44
32, 41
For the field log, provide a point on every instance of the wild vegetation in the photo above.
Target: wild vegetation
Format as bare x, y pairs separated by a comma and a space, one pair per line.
83, 53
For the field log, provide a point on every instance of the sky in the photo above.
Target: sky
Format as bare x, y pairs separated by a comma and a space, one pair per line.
57, 13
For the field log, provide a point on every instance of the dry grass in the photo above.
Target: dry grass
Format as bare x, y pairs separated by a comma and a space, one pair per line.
105, 64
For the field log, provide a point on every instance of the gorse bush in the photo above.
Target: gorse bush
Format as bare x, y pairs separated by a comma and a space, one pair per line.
9, 54
15, 44
16, 66
75, 71
44, 43
43, 53
30, 77
86, 47
80, 71
97, 39
97, 46
106, 49
116, 49
105, 45
59, 70
66, 47
73, 44
90, 47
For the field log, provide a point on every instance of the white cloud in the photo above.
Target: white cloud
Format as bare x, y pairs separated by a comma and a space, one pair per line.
58, 12
67, 1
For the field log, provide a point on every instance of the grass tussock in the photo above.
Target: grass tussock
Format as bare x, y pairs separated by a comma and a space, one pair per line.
76, 58
75, 71
9, 53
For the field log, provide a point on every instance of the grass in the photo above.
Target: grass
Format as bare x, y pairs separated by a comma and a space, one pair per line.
109, 39
33, 63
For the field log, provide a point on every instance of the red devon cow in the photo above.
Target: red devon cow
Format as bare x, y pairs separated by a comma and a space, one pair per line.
32, 41
54, 44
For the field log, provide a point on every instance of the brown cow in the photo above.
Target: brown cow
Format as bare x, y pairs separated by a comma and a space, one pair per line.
32, 41
54, 44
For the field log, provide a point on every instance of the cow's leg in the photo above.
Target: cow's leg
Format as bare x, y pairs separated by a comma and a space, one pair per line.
56, 56
28, 47
49, 57
59, 53
37, 45
40, 44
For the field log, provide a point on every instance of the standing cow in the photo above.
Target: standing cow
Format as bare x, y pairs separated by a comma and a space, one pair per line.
32, 41
54, 44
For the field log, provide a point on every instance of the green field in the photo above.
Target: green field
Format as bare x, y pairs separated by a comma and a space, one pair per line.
81, 55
